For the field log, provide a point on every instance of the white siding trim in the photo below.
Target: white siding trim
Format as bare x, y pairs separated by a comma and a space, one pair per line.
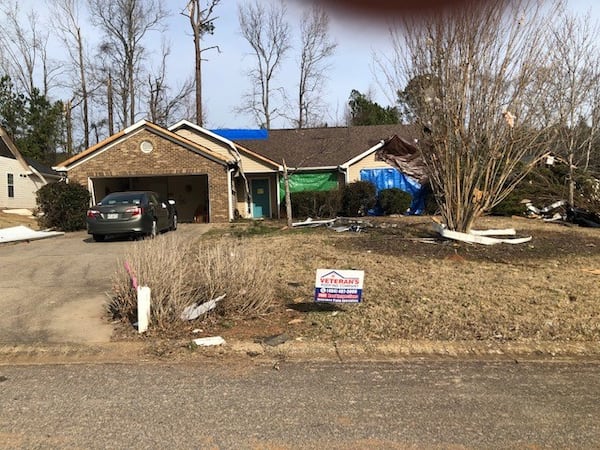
363, 155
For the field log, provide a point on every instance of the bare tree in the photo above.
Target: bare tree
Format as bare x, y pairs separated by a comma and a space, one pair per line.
23, 48
570, 84
316, 49
162, 105
472, 71
268, 33
66, 17
201, 21
125, 24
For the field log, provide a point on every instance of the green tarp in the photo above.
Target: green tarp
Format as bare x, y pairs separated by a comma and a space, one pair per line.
301, 182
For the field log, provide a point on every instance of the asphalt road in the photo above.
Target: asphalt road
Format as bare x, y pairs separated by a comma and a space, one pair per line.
411, 404
55, 290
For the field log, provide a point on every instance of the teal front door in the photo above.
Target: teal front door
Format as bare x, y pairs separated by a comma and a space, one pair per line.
261, 198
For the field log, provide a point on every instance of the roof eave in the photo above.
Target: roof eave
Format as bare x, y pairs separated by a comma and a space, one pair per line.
363, 155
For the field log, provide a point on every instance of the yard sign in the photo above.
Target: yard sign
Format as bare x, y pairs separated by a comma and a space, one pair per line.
339, 286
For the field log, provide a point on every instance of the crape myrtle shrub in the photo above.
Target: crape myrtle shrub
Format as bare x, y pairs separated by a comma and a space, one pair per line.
358, 198
394, 201
62, 206
321, 204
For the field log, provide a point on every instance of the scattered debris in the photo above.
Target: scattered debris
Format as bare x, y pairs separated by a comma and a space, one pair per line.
209, 341
23, 233
198, 309
197, 330
551, 213
313, 223
295, 321
355, 228
480, 236
583, 218
561, 211
345, 224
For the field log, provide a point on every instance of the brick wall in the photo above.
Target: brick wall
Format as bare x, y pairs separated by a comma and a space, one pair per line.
125, 158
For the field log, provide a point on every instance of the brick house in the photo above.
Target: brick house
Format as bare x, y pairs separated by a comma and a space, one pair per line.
146, 156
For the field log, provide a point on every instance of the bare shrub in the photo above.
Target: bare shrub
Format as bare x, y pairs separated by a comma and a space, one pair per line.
245, 271
180, 273
161, 265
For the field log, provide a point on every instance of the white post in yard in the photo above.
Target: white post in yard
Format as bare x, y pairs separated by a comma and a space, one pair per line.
143, 308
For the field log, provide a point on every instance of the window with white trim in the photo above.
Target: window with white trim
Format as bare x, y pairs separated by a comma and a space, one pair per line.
10, 181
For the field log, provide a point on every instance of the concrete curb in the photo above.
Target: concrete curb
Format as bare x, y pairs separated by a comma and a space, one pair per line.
295, 350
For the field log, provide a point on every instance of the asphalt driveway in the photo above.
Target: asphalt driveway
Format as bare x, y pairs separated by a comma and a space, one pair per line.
55, 290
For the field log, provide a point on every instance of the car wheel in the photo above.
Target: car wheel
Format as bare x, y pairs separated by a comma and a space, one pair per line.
98, 237
174, 224
153, 230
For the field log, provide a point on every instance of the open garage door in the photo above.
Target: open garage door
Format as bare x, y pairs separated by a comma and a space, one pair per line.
190, 192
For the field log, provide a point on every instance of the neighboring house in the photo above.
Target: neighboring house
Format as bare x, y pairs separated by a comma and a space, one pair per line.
20, 178
255, 179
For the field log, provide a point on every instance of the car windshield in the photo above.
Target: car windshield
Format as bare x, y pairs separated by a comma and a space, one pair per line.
122, 199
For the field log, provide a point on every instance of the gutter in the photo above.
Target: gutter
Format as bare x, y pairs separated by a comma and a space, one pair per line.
34, 170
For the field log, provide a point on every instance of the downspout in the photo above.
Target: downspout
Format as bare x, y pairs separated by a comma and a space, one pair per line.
229, 192
90, 184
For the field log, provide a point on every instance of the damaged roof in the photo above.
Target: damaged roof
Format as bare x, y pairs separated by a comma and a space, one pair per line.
322, 147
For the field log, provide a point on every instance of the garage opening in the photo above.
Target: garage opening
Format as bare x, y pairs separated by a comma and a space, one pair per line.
190, 192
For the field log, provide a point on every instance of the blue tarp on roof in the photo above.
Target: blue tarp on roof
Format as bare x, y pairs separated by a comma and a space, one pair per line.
242, 134
387, 178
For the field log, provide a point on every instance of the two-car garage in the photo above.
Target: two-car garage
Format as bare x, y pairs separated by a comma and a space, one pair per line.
190, 192
148, 157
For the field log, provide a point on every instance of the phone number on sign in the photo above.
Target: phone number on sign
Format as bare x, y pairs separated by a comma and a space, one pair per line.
339, 291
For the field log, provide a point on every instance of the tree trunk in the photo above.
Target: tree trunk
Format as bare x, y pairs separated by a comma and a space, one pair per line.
198, 54
288, 200
111, 117
69, 128
571, 180
84, 94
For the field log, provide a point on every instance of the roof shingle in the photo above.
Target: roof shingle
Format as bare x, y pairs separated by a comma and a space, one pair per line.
322, 147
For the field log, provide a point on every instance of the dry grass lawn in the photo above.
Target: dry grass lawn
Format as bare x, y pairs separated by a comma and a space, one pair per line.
545, 290
12, 220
